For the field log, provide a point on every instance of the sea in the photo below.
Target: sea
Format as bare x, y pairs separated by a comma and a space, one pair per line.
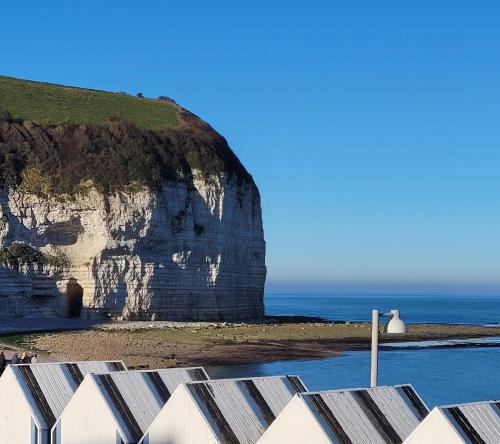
442, 372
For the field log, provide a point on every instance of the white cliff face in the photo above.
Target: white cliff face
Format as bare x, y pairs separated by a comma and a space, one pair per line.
192, 251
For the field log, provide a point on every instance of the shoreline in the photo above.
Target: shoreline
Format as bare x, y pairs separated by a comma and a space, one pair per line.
33, 326
152, 345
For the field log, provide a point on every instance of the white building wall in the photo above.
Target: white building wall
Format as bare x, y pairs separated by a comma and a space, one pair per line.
16, 418
295, 425
181, 422
435, 429
86, 419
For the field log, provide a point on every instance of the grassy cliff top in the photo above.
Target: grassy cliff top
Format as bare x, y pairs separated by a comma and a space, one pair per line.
54, 104
55, 138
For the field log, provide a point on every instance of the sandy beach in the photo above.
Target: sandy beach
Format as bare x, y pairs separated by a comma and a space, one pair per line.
221, 344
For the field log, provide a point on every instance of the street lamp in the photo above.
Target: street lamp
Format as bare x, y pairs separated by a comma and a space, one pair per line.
394, 326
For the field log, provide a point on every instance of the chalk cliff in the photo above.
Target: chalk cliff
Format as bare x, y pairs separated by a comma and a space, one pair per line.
114, 220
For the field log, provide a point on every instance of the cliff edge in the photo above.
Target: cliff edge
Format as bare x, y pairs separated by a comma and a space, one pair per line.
122, 207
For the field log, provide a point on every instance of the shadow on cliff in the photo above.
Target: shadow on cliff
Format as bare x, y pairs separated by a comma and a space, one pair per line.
28, 278
205, 284
212, 280
27, 292
58, 233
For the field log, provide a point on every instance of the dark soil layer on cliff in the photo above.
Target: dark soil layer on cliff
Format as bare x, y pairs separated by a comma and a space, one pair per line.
224, 344
55, 139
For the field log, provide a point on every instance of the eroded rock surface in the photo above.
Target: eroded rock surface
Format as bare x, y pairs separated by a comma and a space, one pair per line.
191, 248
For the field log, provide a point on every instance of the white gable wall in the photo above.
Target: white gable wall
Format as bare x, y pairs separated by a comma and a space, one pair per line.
181, 422
295, 425
16, 417
86, 419
435, 429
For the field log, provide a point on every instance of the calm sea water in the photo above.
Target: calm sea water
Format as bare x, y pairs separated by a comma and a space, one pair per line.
421, 309
441, 375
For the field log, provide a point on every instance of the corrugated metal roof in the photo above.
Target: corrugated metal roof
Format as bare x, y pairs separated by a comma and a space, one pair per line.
377, 415
476, 422
173, 378
100, 366
240, 410
136, 397
56, 384
121, 409
35, 396
51, 385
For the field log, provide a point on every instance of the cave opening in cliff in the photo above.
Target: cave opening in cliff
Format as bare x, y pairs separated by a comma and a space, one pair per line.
74, 299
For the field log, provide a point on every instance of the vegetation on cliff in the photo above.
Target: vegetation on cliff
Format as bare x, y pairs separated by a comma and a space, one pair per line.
56, 104
53, 139
19, 253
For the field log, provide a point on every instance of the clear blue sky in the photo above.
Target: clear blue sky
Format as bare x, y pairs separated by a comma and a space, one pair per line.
372, 127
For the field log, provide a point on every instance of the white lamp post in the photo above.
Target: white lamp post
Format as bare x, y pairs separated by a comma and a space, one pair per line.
394, 326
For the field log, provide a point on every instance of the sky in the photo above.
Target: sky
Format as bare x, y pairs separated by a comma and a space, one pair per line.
371, 128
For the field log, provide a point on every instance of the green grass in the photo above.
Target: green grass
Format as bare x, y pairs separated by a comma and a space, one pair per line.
24, 342
48, 103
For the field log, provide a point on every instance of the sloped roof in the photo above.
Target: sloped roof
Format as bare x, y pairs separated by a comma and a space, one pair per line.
377, 415
477, 422
240, 410
136, 397
50, 386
